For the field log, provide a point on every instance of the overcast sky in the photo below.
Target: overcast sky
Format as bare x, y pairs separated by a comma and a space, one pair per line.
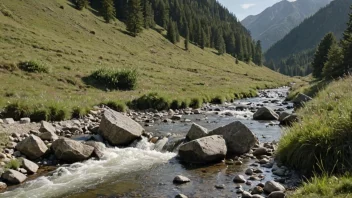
243, 8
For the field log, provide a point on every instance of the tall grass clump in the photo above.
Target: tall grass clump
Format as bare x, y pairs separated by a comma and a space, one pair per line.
13, 164
79, 112
116, 105
116, 79
218, 100
322, 142
33, 67
196, 103
150, 101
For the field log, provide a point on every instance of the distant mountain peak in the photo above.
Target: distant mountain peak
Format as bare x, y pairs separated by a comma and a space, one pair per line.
276, 21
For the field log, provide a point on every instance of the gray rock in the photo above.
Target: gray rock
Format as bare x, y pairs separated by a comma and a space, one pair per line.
239, 139
25, 120
204, 150
11, 145
13, 177
3, 186
277, 194
246, 194
71, 151
301, 99
257, 196
272, 186
176, 117
119, 129
47, 127
249, 171
1, 121
179, 179
181, 196
260, 151
239, 179
196, 131
33, 147
30, 166
289, 120
283, 115
9, 121
265, 113
159, 145
99, 148
50, 136
257, 190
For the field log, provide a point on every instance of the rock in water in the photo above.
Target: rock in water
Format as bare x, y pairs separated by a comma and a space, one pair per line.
30, 166
159, 145
179, 179
272, 186
181, 196
71, 151
239, 139
47, 127
204, 150
98, 148
118, 129
277, 194
13, 177
3, 185
196, 131
33, 147
239, 179
265, 113
283, 115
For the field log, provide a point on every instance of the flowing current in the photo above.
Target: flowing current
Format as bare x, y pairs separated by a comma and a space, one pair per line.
85, 175
143, 172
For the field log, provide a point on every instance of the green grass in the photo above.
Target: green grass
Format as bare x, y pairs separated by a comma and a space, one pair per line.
34, 67
322, 142
325, 187
13, 164
61, 39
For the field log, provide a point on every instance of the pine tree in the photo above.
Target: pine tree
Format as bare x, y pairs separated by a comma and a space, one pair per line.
108, 10
333, 66
321, 54
171, 32
162, 14
148, 14
134, 23
177, 33
221, 44
203, 39
187, 38
258, 58
80, 4
346, 43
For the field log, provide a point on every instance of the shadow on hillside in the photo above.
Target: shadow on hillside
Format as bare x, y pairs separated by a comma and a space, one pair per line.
216, 53
94, 6
316, 87
125, 32
88, 80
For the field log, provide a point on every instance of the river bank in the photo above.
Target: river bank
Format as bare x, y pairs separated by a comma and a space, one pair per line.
123, 169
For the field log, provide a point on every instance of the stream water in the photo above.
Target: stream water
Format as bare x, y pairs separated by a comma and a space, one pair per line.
143, 172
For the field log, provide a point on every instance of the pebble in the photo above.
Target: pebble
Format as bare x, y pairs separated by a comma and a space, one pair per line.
220, 186
179, 179
239, 179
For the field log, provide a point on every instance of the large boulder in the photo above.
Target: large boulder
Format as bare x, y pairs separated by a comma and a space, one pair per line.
13, 177
30, 166
204, 150
70, 150
47, 127
49, 135
196, 131
33, 147
118, 129
265, 113
239, 139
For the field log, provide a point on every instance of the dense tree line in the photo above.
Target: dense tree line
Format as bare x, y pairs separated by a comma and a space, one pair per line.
203, 23
301, 42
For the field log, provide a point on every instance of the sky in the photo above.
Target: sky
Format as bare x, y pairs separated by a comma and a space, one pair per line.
243, 8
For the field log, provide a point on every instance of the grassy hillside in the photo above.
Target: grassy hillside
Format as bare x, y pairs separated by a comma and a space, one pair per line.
74, 43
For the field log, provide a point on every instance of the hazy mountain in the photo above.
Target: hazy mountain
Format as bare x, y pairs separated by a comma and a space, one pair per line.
287, 53
275, 22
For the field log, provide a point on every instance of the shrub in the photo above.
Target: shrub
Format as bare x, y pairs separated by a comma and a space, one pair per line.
184, 104
58, 112
196, 103
218, 100
79, 112
16, 111
117, 106
150, 101
33, 67
116, 79
13, 164
175, 104
39, 114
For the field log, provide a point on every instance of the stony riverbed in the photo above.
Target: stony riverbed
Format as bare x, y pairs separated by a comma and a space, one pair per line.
141, 171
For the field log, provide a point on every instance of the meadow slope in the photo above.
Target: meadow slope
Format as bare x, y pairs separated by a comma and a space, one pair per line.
75, 43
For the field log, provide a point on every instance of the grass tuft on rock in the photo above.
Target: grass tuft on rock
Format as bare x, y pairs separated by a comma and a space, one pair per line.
322, 142
13, 164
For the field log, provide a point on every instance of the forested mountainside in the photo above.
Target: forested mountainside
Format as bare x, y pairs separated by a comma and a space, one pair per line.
293, 54
275, 22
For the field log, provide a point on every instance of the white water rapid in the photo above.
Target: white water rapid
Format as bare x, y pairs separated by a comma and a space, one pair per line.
78, 176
